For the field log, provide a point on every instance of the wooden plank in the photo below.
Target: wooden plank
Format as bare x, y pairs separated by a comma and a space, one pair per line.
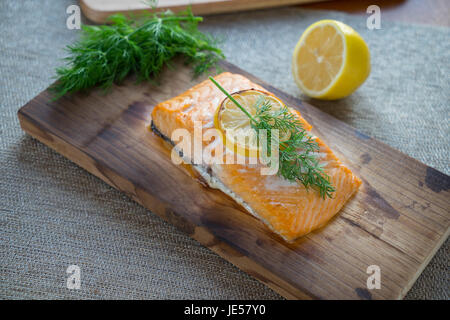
398, 219
99, 10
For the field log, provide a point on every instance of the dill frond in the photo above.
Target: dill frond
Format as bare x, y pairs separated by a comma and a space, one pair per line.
298, 160
106, 54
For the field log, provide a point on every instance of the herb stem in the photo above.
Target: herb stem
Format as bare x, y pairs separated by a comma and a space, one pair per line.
232, 99
166, 19
297, 158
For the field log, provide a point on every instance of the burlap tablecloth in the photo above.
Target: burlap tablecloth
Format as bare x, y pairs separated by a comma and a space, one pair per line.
54, 214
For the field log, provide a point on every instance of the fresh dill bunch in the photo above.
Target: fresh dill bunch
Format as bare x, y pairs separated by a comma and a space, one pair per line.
297, 155
106, 54
298, 159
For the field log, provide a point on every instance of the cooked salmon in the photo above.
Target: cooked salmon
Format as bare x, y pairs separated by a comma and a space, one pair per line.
285, 207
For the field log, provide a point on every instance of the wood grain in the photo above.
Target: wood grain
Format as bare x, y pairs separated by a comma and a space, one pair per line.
99, 10
432, 12
398, 219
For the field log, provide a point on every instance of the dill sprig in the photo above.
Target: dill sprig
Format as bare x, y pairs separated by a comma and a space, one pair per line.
298, 159
106, 54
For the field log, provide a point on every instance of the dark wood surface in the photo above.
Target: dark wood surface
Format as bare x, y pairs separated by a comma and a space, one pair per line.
432, 12
398, 219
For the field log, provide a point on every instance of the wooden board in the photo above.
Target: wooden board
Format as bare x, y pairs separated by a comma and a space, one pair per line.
99, 10
397, 221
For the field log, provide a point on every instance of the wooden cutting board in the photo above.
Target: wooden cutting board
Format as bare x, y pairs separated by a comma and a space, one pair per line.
99, 10
397, 221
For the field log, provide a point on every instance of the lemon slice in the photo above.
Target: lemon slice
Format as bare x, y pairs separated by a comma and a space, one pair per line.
330, 60
235, 125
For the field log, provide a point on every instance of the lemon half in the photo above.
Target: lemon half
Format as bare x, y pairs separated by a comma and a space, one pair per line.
234, 124
330, 61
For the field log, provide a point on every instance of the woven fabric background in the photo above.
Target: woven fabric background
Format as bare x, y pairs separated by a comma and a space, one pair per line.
53, 213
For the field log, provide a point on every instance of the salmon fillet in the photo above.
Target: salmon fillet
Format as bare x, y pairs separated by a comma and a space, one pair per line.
285, 207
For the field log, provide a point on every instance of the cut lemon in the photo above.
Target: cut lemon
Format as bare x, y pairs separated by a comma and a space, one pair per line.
235, 126
330, 61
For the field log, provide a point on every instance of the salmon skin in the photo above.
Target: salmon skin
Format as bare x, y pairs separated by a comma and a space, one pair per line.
287, 208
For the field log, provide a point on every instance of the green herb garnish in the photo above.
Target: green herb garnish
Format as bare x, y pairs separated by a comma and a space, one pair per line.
106, 54
298, 160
